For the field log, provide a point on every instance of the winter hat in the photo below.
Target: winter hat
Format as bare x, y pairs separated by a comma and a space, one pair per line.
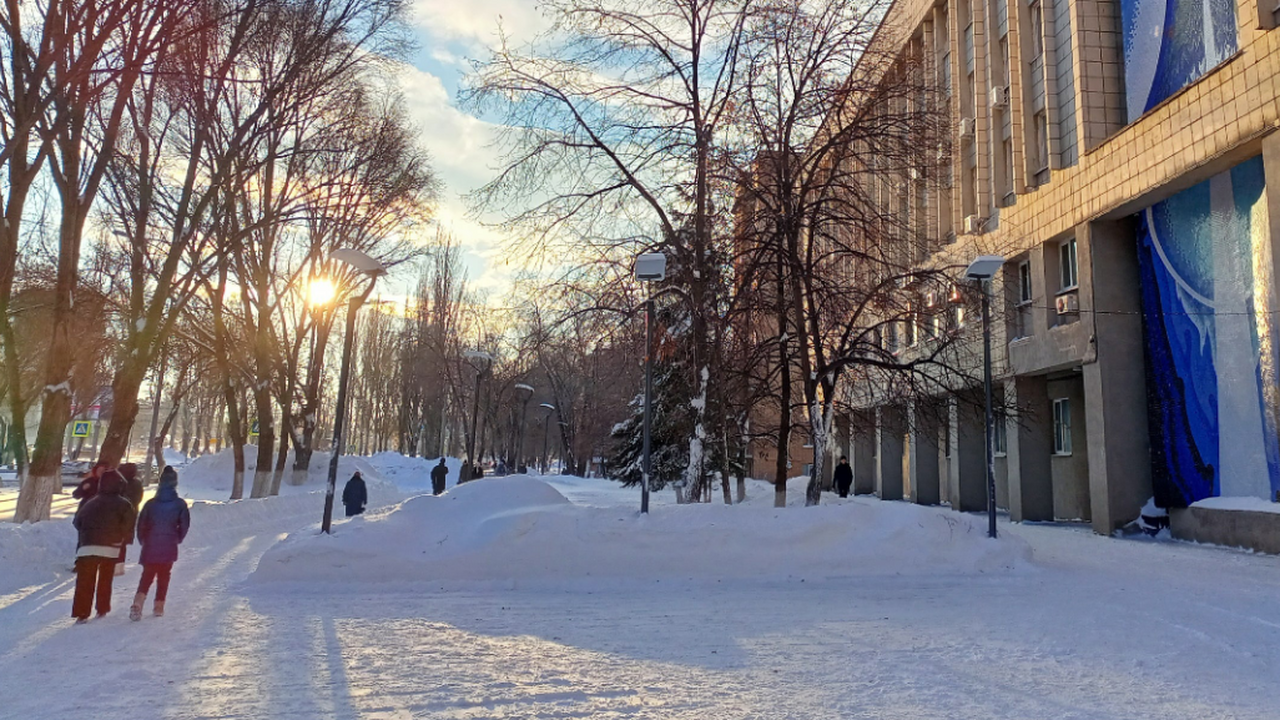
112, 483
169, 476
128, 470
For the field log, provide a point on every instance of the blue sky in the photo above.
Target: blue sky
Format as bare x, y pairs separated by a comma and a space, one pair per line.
449, 34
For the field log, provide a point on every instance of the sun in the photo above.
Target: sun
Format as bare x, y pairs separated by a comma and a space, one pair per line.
320, 291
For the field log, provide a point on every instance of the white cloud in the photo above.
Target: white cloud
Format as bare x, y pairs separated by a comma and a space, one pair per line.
461, 151
475, 22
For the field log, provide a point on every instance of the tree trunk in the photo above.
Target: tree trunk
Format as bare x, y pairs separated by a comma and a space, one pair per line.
124, 411
36, 496
282, 455
266, 443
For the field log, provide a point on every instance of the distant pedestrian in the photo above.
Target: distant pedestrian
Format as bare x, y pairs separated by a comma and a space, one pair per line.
477, 471
439, 474
355, 495
162, 526
133, 492
843, 477
104, 523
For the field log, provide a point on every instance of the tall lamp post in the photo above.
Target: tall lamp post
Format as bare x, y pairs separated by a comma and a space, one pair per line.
546, 419
374, 269
982, 270
481, 361
650, 267
527, 391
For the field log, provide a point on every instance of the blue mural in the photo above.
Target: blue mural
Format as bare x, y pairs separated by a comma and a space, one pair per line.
1170, 43
1207, 295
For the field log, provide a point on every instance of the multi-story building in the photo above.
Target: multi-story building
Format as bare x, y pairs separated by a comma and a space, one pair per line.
1126, 154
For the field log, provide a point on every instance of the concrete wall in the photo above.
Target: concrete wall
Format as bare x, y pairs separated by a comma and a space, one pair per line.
862, 452
891, 429
1070, 473
1233, 528
968, 484
1030, 432
922, 440
1115, 383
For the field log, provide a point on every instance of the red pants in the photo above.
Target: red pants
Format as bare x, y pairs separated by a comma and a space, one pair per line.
160, 572
93, 577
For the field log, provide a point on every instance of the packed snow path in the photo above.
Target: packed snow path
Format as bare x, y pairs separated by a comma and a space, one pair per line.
1095, 628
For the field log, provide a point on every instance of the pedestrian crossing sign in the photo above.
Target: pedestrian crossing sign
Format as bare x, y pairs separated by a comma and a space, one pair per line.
81, 428
253, 429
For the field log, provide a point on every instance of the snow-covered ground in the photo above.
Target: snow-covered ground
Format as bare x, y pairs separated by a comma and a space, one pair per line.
550, 598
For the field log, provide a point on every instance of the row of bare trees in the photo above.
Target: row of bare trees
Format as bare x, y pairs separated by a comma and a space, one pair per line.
192, 163
784, 162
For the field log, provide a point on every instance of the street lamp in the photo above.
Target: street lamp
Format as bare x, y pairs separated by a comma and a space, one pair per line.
527, 391
983, 269
481, 361
650, 267
374, 269
546, 419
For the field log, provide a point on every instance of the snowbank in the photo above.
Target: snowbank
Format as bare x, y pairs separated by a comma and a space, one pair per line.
520, 531
209, 477
35, 553
1252, 504
412, 474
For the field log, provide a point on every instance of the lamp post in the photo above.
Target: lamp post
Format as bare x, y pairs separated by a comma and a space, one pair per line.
650, 267
983, 269
527, 391
374, 269
546, 419
480, 361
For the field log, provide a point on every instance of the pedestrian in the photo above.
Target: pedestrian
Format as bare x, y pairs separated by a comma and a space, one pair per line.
439, 474
104, 523
843, 477
133, 492
355, 495
162, 526
88, 486
477, 471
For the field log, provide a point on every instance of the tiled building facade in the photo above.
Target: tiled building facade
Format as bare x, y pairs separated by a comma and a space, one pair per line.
1124, 156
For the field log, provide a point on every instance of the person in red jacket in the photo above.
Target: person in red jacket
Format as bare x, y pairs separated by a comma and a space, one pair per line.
103, 523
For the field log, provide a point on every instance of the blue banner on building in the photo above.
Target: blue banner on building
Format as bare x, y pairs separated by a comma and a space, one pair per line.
1208, 300
1170, 43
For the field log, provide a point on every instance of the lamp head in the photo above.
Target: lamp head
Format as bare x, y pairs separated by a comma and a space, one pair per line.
359, 260
984, 267
651, 267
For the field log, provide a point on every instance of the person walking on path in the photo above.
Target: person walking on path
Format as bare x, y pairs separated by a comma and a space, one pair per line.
133, 492
162, 526
103, 523
843, 477
439, 474
355, 495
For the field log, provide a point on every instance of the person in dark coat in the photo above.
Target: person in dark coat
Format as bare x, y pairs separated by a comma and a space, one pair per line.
843, 477
162, 526
355, 495
88, 486
439, 474
133, 492
104, 522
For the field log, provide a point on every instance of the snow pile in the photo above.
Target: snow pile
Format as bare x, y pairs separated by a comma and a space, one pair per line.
412, 474
521, 531
175, 457
1250, 504
209, 477
35, 553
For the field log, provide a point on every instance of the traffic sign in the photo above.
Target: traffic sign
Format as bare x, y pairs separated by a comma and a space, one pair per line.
81, 428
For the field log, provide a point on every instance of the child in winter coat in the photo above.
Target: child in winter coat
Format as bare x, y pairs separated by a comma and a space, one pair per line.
104, 522
162, 526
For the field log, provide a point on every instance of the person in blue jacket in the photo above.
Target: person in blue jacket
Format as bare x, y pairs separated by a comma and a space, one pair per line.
162, 526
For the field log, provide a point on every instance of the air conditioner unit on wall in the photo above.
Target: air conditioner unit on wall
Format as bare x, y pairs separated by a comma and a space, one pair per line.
999, 96
966, 127
972, 224
1068, 303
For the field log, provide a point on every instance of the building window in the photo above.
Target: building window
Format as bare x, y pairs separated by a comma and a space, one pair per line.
1024, 282
1067, 265
1037, 28
1062, 426
1041, 163
999, 435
